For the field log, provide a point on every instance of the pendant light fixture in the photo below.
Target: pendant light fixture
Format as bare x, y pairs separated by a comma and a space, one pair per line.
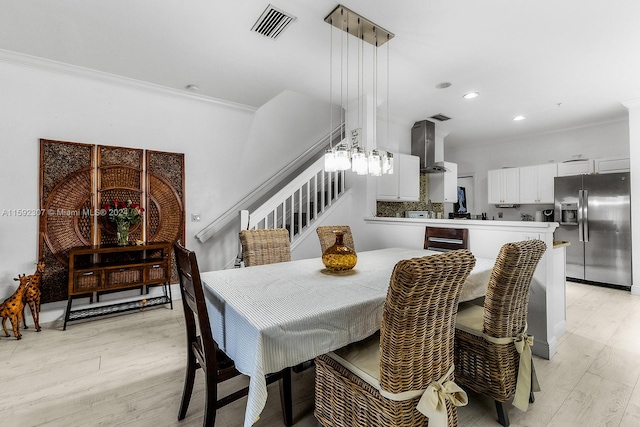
351, 154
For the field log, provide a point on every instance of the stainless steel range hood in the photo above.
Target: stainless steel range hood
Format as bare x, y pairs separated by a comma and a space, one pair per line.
423, 145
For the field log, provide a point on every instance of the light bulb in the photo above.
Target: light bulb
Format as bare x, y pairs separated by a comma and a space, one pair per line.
343, 160
375, 163
359, 162
387, 164
329, 161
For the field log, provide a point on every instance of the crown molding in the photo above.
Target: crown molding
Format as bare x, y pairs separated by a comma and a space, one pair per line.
25, 60
631, 103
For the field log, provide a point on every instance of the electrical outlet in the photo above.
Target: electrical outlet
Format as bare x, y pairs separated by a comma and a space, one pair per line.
499, 214
195, 217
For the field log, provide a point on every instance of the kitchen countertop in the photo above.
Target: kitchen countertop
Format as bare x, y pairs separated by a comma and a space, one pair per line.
474, 223
560, 244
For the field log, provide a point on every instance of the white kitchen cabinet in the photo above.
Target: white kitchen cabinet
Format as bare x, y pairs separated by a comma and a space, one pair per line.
536, 183
504, 186
612, 165
577, 167
404, 184
443, 187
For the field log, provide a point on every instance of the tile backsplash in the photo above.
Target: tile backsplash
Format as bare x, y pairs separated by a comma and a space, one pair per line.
397, 209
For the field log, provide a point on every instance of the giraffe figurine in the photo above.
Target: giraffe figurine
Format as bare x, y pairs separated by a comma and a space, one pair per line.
32, 297
12, 307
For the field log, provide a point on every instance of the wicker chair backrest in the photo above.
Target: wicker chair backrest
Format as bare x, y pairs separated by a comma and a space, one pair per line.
327, 236
265, 246
507, 299
419, 317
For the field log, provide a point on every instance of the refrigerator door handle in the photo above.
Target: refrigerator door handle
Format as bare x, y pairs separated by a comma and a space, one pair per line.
585, 216
580, 232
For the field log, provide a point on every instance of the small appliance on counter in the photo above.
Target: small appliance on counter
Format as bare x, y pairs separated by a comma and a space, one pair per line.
456, 215
424, 214
417, 214
547, 215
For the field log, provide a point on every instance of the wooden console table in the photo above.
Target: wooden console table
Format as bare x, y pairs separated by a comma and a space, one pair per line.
96, 269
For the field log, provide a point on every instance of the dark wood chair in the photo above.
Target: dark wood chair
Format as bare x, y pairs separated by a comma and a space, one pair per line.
203, 351
377, 381
487, 357
445, 239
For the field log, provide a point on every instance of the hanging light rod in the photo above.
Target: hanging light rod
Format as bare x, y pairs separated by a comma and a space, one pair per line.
358, 26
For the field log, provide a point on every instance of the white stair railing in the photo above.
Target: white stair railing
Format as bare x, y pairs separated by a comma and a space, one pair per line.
299, 203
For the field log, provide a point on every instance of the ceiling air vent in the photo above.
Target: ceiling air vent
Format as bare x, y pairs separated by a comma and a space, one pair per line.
440, 117
272, 22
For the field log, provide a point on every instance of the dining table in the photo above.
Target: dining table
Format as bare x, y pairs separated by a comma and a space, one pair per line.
270, 317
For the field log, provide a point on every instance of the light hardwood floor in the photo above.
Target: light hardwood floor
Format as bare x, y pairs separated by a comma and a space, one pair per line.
128, 371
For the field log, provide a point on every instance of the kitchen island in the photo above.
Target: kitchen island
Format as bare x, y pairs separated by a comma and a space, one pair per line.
547, 302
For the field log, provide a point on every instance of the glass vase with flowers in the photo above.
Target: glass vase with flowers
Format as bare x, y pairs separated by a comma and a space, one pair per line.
124, 215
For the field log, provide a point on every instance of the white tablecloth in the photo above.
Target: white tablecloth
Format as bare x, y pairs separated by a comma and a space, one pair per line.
270, 317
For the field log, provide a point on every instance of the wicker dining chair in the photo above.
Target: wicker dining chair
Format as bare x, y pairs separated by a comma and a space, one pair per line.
326, 234
413, 352
445, 239
265, 246
486, 358
203, 351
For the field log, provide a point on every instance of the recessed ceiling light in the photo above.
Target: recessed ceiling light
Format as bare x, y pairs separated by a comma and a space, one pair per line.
470, 95
192, 88
518, 118
443, 85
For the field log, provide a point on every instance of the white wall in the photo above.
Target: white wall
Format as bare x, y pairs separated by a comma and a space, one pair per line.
634, 143
229, 150
610, 139
280, 131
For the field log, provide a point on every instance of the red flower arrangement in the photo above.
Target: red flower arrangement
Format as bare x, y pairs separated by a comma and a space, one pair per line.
127, 211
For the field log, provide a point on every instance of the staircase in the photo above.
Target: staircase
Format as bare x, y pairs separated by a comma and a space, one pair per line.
299, 204
259, 194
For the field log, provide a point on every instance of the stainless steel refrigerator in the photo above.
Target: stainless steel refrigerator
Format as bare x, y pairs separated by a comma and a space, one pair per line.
594, 212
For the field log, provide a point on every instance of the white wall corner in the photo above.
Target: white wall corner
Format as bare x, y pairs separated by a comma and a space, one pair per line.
634, 157
631, 103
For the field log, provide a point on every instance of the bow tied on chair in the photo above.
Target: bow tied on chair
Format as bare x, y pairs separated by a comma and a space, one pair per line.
521, 340
527, 379
433, 403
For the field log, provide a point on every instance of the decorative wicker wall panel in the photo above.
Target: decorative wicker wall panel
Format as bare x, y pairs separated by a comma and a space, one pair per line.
119, 178
66, 184
74, 179
165, 219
